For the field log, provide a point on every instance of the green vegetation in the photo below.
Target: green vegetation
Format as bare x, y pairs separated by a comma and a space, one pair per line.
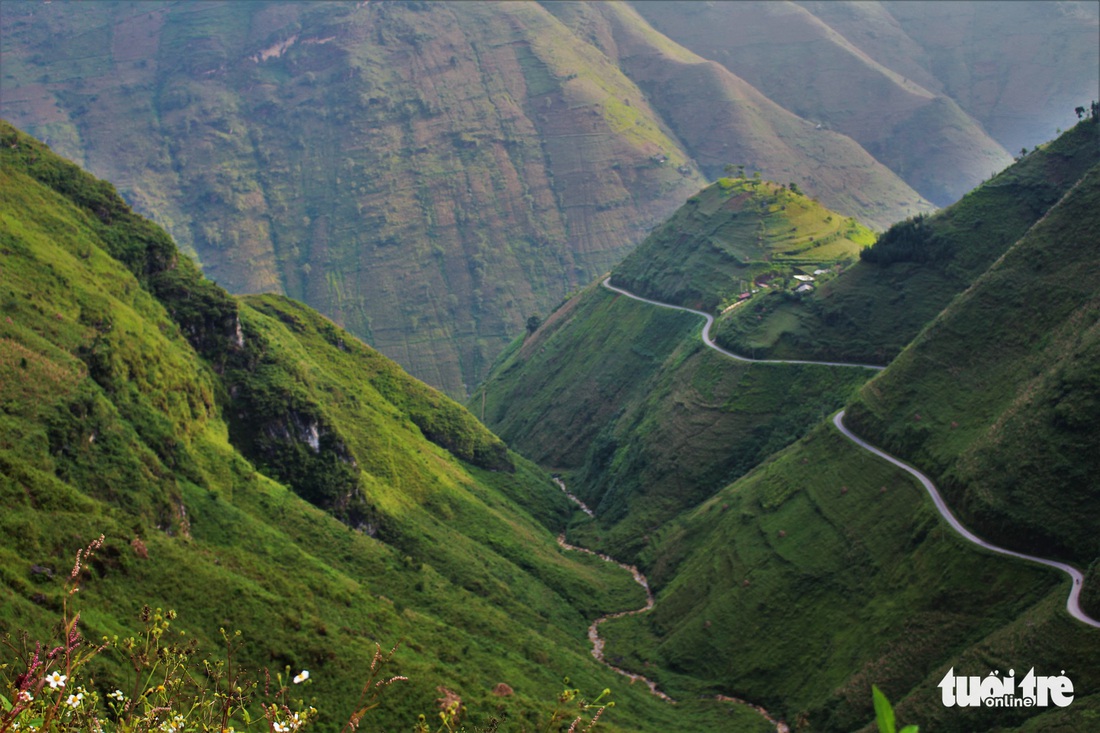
874, 308
734, 234
1007, 429
192, 430
884, 714
649, 422
826, 553
824, 570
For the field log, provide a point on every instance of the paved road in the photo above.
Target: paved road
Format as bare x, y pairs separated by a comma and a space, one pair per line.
710, 341
1073, 605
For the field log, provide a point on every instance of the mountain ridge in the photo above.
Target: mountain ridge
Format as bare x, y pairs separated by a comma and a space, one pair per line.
429, 175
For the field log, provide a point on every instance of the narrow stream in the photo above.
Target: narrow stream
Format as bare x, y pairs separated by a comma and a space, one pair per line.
640, 579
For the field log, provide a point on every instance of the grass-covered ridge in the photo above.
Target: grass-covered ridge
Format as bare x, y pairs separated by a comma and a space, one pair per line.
734, 233
873, 309
622, 397
824, 569
1007, 428
141, 402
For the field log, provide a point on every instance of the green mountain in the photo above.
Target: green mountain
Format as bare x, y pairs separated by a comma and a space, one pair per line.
798, 576
872, 310
988, 400
649, 422
217, 443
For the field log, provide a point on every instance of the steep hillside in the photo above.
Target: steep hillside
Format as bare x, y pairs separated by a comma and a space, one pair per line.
823, 569
622, 398
874, 308
428, 175
1009, 430
196, 432
829, 549
740, 236
801, 63
1019, 71
721, 119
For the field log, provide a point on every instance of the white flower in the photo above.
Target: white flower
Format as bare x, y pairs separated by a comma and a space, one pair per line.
56, 679
74, 700
175, 726
23, 696
301, 677
295, 722
280, 728
117, 695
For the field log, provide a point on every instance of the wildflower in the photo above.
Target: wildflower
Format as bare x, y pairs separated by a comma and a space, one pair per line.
23, 696
56, 679
175, 726
117, 695
295, 722
280, 728
301, 677
74, 700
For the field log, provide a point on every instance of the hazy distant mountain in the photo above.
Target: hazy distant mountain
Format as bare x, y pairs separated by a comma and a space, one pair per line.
939, 92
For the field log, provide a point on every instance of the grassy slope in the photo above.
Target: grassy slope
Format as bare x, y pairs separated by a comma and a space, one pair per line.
622, 397
827, 550
872, 310
110, 422
1007, 425
730, 234
825, 571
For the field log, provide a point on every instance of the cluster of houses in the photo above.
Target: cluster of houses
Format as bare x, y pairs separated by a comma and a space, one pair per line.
804, 286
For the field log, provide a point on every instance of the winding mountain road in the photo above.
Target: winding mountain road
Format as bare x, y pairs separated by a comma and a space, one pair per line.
1073, 605
710, 341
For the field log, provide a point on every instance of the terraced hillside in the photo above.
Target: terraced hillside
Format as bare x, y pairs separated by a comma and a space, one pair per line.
217, 443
